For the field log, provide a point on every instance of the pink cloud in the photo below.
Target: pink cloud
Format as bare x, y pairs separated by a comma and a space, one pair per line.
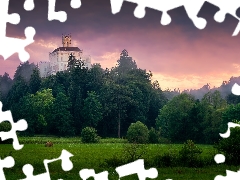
175, 58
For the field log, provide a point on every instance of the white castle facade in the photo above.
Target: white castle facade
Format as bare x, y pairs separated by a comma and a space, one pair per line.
58, 59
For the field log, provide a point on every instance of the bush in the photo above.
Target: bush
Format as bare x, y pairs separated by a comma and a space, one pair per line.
89, 135
169, 158
133, 151
137, 133
153, 136
189, 155
230, 147
163, 140
5, 126
114, 161
113, 140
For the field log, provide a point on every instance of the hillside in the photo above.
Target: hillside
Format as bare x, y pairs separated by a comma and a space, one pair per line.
225, 89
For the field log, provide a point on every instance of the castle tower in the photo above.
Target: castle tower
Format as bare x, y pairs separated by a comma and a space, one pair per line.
58, 59
66, 41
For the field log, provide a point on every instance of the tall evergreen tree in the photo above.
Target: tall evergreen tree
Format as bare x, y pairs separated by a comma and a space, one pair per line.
5, 85
77, 92
73, 62
92, 110
96, 78
125, 63
61, 116
115, 98
156, 102
35, 81
212, 108
27, 112
25, 70
18, 90
232, 99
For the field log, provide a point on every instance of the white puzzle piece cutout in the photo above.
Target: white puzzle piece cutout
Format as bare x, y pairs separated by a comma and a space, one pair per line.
230, 175
192, 8
52, 14
66, 166
7, 162
9, 46
87, 173
236, 89
137, 167
220, 158
230, 125
20, 125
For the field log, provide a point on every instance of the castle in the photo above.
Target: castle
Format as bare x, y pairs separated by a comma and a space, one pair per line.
58, 59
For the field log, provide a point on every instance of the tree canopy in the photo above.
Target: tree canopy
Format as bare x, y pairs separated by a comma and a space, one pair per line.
110, 100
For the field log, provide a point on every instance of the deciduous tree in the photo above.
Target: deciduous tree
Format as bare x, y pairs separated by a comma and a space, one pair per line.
174, 118
92, 110
61, 116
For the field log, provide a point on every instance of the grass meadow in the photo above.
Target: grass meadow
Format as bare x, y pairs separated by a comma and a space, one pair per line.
96, 156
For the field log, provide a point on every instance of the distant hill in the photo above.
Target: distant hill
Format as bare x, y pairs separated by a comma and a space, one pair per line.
224, 89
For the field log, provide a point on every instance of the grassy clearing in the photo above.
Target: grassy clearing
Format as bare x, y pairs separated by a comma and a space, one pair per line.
92, 156
59, 140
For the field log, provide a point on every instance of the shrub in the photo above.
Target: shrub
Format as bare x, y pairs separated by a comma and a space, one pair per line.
133, 151
230, 147
5, 126
114, 161
113, 140
137, 133
170, 158
163, 140
153, 136
89, 135
130, 152
189, 154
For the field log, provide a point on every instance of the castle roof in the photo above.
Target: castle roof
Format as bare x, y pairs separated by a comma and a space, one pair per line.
67, 49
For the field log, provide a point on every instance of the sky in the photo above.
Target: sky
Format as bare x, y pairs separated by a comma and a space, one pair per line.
179, 55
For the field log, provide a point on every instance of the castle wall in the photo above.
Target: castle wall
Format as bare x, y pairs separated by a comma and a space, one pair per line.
58, 59
44, 68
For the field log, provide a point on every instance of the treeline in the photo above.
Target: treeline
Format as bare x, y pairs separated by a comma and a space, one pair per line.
110, 100
224, 89
63, 104
184, 118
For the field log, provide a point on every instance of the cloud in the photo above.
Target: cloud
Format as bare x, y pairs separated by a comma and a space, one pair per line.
179, 55
107, 60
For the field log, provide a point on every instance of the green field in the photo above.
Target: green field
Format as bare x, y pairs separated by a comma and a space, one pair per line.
93, 156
